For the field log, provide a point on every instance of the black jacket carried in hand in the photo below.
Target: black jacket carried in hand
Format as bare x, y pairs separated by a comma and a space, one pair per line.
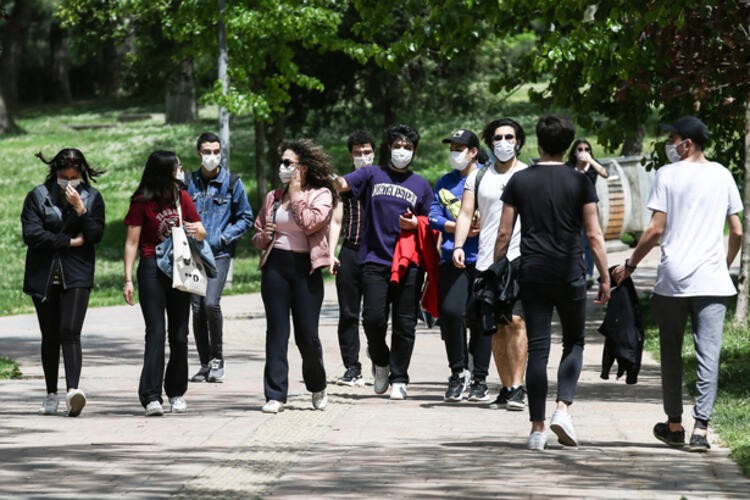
623, 329
49, 223
494, 292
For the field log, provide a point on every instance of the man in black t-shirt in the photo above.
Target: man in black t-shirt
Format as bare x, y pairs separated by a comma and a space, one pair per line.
555, 204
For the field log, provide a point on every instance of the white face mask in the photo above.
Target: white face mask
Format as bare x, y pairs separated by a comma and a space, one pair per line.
64, 183
363, 161
211, 161
459, 159
671, 150
401, 157
285, 173
180, 176
504, 150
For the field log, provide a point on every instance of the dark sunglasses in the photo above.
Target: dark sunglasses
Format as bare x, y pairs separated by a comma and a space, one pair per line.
507, 137
288, 163
580, 150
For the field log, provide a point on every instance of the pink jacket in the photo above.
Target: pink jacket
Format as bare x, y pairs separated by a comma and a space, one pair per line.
312, 209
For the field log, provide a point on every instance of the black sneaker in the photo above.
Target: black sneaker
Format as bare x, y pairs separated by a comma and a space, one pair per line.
699, 443
517, 399
202, 374
455, 390
352, 376
502, 399
216, 373
479, 391
675, 439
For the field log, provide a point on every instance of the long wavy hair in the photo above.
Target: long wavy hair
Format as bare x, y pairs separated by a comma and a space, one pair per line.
158, 181
70, 158
313, 156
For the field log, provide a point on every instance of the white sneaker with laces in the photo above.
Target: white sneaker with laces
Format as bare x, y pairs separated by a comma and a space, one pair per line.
179, 405
380, 385
49, 405
537, 441
320, 400
154, 409
562, 425
76, 401
398, 391
273, 406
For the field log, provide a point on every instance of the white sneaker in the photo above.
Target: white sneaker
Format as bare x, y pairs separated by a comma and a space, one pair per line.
179, 405
380, 385
398, 390
466, 379
273, 406
154, 409
562, 425
537, 441
320, 400
76, 401
49, 405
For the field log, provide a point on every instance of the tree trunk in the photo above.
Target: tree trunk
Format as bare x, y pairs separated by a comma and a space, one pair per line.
275, 138
260, 158
58, 44
6, 122
181, 104
224, 79
743, 285
15, 38
633, 144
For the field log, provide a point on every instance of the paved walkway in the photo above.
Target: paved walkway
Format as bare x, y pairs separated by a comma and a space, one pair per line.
363, 445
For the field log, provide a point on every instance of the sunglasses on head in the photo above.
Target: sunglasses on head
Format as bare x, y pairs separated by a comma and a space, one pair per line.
288, 163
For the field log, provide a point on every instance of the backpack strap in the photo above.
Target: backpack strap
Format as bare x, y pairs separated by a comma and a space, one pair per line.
480, 174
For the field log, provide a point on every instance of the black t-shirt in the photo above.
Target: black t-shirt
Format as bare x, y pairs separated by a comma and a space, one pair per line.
591, 173
550, 199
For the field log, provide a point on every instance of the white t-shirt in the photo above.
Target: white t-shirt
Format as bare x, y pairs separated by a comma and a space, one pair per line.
697, 198
490, 210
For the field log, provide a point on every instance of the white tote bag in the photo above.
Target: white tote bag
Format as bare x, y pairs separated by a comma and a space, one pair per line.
188, 273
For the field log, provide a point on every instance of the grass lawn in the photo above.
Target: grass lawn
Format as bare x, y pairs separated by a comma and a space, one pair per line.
8, 369
732, 407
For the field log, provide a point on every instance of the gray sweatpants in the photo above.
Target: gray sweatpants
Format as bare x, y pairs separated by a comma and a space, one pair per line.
707, 316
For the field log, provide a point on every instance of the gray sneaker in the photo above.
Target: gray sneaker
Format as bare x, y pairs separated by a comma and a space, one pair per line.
216, 374
562, 425
202, 374
380, 373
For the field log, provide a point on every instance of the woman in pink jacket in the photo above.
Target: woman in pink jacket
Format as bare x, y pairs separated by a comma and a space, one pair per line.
291, 229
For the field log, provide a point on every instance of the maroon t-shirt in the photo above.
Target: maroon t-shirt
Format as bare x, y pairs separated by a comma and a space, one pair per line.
157, 219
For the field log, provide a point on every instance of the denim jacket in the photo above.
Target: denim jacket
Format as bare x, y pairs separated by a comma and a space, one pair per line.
225, 215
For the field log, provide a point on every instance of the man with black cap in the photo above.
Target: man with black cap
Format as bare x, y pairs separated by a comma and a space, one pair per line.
454, 284
692, 198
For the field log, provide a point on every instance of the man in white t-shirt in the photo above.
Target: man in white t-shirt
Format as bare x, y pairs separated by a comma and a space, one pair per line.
691, 200
505, 137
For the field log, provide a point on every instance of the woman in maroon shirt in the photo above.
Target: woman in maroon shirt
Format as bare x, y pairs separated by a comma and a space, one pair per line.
152, 214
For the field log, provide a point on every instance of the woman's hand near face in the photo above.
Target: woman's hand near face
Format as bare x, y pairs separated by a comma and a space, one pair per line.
74, 199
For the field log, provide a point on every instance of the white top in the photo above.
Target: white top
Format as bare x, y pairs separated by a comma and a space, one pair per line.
491, 188
697, 198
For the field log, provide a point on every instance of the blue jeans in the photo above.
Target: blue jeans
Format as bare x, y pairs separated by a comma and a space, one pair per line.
707, 317
208, 322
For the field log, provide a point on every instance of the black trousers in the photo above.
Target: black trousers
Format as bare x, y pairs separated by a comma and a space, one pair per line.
156, 296
60, 321
455, 290
287, 285
349, 292
208, 321
379, 297
569, 299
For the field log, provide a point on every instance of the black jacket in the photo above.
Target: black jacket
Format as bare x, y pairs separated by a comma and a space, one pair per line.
48, 224
494, 292
623, 329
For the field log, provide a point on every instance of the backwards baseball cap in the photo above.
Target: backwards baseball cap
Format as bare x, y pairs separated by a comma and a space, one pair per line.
689, 127
463, 136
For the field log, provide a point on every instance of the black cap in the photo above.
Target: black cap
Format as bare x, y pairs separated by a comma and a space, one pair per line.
688, 127
463, 136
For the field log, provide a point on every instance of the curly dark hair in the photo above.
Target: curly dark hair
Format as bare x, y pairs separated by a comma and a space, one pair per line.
488, 133
70, 158
313, 156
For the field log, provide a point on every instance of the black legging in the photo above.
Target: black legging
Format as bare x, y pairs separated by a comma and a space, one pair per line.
60, 320
287, 285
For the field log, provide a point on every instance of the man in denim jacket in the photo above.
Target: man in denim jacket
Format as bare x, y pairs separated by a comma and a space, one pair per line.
226, 214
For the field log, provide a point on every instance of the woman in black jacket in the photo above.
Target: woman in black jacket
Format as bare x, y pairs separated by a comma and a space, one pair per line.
62, 220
